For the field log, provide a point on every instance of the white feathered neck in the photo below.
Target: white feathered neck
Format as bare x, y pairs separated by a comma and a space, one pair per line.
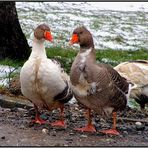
38, 49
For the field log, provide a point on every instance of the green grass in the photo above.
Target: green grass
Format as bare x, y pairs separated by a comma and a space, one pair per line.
13, 63
66, 56
113, 57
117, 56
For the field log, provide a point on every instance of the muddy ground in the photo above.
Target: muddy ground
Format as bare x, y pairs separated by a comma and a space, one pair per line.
17, 130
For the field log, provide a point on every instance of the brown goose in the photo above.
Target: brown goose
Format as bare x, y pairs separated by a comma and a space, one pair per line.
43, 81
97, 86
136, 72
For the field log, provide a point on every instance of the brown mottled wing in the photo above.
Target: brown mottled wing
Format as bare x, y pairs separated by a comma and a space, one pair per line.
119, 87
110, 86
118, 80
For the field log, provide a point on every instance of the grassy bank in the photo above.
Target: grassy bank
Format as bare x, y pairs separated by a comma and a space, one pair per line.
66, 56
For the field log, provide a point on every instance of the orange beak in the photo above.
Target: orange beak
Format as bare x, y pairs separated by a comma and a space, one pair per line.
74, 39
48, 36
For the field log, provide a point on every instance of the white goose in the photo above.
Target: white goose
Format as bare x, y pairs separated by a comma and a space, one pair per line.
42, 80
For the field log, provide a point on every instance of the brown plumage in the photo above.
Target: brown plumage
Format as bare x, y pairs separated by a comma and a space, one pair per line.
136, 72
97, 86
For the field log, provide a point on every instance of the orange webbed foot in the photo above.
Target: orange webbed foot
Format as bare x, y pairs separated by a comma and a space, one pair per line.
110, 132
59, 123
88, 128
39, 121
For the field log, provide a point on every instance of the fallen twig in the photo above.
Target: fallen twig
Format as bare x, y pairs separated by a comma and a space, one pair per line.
133, 120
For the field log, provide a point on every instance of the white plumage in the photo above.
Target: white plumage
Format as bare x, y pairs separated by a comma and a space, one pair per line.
40, 77
43, 81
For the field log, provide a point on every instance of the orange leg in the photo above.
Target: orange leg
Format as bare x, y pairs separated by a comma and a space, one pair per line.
89, 127
37, 117
112, 131
60, 123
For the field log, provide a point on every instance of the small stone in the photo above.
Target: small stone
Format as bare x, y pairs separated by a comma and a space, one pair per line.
139, 133
76, 109
138, 123
125, 132
71, 134
21, 109
108, 140
44, 130
139, 126
3, 137
83, 136
25, 115
120, 136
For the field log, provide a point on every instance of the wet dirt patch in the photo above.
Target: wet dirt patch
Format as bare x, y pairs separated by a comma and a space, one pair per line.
16, 128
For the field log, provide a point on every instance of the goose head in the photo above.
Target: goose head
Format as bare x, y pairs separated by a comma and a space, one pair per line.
82, 37
42, 32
